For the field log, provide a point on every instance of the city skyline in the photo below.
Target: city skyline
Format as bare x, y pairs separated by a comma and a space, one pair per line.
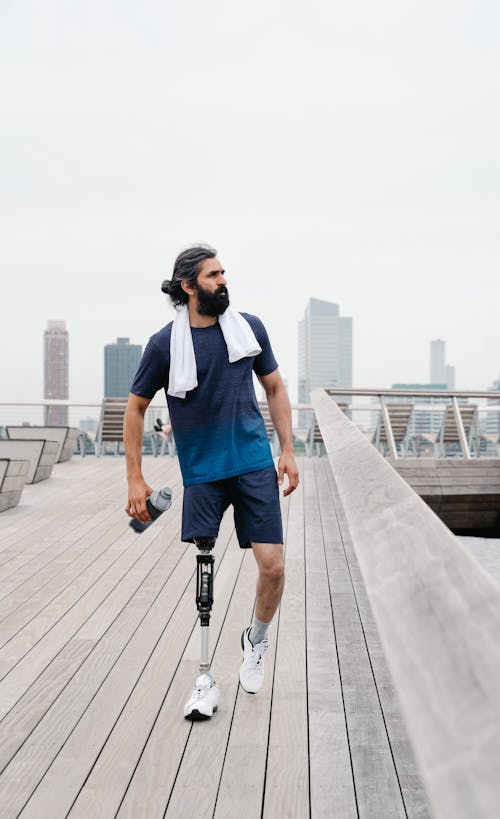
295, 377
361, 174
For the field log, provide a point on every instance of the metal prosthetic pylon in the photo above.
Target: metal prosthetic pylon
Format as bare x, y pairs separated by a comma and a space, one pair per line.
205, 697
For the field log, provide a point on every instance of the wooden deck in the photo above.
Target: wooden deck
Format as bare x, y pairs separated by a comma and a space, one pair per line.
99, 650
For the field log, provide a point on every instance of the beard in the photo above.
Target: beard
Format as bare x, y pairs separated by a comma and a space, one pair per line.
212, 304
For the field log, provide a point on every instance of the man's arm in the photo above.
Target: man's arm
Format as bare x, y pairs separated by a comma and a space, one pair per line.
133, 430
281, 414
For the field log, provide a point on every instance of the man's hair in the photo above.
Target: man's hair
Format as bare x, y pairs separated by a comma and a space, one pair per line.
186, 267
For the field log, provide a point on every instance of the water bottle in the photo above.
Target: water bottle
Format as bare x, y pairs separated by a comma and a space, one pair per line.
157, 503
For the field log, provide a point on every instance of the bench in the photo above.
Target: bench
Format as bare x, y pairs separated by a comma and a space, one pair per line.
393, 427
66, 437
110, 429
13, 475
40, 453
450, 433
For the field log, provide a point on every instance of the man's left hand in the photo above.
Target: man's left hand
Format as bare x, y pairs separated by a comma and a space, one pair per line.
287, 466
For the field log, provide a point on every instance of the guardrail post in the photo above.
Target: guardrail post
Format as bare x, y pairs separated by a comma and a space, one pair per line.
461, 431
388, 428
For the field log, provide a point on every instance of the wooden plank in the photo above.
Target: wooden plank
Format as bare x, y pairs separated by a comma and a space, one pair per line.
50, 581
121, 556
37, 553
287, 787
140, 746
377, 786
332, 785
108, 632
412, 789
93, 701
62, 506
246, 748
195, 789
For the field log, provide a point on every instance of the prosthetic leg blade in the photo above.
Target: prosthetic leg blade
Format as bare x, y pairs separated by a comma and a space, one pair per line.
204, 700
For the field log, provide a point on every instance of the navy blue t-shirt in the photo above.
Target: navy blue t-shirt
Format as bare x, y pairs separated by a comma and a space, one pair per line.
218, 428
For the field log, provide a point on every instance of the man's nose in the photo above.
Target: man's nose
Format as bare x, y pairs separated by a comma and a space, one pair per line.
222, 280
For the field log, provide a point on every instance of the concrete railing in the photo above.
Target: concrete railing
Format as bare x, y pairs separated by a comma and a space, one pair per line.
438, 616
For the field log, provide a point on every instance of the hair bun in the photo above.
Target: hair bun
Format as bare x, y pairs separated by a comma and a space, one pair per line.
167, 286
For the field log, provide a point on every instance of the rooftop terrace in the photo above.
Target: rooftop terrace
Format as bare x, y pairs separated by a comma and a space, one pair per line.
100, 646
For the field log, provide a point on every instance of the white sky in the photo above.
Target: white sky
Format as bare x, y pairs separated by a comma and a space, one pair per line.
343, 150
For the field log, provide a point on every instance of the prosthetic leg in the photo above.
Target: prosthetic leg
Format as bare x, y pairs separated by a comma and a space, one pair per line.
204, 700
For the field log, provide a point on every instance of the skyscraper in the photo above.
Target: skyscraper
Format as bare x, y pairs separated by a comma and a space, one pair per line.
325, 349
441, 373
55, 371
120, 365
438, 366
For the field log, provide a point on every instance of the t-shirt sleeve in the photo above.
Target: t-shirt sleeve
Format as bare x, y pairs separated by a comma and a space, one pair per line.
265, 362
152, 374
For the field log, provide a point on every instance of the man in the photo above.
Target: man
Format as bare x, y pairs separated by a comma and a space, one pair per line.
224, 454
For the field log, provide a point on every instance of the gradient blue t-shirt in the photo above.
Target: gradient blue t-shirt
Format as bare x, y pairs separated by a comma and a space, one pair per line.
218, 428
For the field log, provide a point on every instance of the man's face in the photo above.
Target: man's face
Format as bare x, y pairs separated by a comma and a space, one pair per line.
211, 289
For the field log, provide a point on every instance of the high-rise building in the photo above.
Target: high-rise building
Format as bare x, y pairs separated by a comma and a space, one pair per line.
120, 365
325, 350
441, 373
55, 371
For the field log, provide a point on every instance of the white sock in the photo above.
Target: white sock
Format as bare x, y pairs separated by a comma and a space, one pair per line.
258, 632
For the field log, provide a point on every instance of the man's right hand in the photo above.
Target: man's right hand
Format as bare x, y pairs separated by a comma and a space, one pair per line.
138, 493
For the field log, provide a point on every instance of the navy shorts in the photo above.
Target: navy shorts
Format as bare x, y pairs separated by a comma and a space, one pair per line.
256, 503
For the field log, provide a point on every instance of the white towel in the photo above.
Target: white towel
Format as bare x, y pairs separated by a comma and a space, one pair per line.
238, 335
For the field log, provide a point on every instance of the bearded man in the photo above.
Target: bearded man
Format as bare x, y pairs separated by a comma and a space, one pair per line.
204, 360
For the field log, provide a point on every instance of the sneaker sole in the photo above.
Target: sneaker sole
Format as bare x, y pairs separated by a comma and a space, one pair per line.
198, 716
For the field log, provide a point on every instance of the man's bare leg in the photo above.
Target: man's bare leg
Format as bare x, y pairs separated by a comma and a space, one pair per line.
269, 557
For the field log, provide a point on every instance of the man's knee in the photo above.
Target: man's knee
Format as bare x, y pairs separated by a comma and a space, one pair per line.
273, 570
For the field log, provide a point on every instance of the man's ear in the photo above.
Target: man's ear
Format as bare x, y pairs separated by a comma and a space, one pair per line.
187, 287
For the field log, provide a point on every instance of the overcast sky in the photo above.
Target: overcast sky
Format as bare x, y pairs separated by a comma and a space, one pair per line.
343, 150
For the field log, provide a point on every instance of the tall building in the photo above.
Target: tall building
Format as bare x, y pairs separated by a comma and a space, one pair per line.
440, 371
325, 350
120, 365
55, 371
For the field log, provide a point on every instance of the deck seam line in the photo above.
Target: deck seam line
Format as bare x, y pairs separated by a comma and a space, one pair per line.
91, 650
366, 645
127, 699
263, 801
336, 642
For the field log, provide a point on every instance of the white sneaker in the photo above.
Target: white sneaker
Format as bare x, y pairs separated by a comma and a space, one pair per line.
252, 667
204, 700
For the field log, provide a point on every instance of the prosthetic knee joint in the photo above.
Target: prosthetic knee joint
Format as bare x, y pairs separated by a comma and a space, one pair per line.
204, 593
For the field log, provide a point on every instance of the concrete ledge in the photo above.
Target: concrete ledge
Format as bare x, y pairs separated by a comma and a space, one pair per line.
65, 436
438, 615
41, 455
13, 475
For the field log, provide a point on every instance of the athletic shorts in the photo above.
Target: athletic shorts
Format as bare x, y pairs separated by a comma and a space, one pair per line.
256, 503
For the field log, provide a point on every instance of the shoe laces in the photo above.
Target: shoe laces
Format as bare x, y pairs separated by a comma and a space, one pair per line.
258, 652
200, 691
